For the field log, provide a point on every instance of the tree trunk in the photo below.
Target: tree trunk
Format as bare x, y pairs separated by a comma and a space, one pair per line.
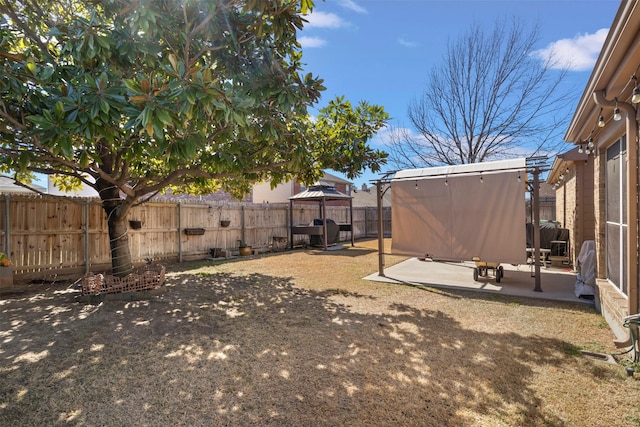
116, 210
119, 242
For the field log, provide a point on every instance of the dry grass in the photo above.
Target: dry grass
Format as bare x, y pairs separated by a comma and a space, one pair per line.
299, 339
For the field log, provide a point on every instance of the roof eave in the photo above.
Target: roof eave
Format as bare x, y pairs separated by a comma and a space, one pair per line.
611, 73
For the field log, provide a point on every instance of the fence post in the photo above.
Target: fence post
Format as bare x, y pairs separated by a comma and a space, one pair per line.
87, 257
243, 226
289, 222
366, 220
7, 227
179, 232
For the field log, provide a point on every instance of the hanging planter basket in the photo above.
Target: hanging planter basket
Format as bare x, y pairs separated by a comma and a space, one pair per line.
135, 224
224, 223
194, 231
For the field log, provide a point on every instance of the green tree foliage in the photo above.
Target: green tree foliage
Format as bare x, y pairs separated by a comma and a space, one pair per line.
133, 97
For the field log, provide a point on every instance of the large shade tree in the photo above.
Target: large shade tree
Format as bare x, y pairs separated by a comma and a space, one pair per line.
490, 98
134, 97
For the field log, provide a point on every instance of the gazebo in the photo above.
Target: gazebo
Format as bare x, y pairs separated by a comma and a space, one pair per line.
321, 192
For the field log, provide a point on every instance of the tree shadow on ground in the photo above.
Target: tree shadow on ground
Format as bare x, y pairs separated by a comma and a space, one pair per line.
346, 251
220, 349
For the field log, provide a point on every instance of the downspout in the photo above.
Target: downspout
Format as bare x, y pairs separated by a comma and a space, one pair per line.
632, 193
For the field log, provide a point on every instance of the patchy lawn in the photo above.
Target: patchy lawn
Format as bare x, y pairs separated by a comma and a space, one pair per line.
299, 339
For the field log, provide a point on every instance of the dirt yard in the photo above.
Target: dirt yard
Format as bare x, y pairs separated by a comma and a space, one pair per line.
299, 339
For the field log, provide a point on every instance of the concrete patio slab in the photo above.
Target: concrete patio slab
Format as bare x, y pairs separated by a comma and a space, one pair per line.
557, 283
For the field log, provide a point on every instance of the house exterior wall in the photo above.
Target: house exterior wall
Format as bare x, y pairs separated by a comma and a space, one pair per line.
344, 189
581, 208
575, 205
262, 193
610, 87
561, 205
566, 209
613, 305
83, 191
574, 196
571, 196
585, 207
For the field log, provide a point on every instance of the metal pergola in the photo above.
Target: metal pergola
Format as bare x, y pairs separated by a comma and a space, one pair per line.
321, 193
535, 166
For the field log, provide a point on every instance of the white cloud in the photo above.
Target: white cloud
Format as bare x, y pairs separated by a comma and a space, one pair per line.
311, 41
406, 43
382, 137
577, 54
390, 134
323, 20
352, 5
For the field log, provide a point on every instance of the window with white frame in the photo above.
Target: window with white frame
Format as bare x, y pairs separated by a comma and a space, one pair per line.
616, 213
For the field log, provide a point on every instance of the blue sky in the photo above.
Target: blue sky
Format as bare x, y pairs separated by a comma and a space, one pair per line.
381, 51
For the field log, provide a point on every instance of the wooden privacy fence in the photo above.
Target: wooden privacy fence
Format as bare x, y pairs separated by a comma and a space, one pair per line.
547, 209
46, 235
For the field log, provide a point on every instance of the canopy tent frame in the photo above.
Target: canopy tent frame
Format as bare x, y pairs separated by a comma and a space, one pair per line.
534, 166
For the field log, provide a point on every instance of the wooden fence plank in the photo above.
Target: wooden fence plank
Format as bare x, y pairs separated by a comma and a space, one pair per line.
47, 234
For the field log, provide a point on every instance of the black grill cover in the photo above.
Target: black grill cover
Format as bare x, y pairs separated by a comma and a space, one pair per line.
333, 233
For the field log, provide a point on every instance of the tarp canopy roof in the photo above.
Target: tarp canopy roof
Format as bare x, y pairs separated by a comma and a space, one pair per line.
471, 169
320, 191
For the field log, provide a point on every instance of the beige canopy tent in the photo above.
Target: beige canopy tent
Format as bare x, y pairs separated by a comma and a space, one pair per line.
461, 212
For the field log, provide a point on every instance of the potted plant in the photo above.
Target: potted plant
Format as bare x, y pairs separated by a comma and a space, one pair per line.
6, 271
4, 260
243, 248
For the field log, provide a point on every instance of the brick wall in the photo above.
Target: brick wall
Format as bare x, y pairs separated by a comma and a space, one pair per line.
613, 305
566, 202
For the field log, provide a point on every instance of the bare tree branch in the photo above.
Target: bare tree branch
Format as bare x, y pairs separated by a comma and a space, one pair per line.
489, 99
